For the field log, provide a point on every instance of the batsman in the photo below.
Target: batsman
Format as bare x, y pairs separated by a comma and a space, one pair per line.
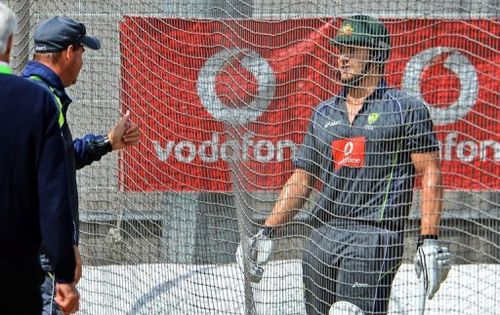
366, 146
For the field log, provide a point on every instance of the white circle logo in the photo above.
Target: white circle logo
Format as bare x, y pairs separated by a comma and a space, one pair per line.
348, 148
252, 62
458, 64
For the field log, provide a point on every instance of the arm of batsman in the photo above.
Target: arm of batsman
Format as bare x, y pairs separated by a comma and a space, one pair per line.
253, 253
433, 262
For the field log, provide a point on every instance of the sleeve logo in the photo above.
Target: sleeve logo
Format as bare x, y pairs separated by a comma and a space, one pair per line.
349, 152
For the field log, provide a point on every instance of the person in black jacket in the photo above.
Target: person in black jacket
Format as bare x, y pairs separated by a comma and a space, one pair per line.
34, 198
59, 46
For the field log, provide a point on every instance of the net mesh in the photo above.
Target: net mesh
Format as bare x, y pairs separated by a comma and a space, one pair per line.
224, 92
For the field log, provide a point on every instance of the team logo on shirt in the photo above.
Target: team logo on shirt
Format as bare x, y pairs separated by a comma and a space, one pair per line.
349, 152
373, 118
332, 123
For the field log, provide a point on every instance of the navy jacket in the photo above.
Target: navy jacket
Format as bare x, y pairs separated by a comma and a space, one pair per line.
34, 197
81, 151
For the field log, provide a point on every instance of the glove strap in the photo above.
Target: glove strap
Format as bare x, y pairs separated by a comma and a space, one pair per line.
422, 238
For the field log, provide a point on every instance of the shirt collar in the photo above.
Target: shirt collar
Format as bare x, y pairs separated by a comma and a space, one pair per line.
35, 68
378, 93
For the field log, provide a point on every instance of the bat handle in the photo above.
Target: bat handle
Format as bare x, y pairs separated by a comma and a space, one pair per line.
422, 296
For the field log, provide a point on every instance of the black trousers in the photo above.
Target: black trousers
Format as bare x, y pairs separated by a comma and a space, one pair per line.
20, 291
351, 262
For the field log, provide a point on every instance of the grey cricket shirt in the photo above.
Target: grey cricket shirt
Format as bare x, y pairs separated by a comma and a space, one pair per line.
366, 167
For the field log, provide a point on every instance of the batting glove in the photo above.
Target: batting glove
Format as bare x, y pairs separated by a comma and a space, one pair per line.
254, 253
433, 262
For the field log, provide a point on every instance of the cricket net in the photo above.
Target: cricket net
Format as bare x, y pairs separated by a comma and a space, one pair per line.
224, 91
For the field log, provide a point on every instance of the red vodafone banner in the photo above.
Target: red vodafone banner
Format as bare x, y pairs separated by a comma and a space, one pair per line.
188, 80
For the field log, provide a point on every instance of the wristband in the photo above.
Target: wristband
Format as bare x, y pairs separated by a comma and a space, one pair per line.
102, 145
268, 231
421, 239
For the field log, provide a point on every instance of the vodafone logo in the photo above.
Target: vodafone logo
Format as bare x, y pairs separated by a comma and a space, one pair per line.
349, 146
217, 65
456, 62
348, 152
227, 91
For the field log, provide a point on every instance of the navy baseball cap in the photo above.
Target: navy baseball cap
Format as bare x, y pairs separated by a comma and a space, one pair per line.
57, 33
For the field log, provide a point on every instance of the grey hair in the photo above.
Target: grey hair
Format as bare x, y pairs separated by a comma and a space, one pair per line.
53, 57
8, 25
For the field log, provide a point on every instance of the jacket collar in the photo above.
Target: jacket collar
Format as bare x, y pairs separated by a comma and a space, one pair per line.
49, 76
5, 68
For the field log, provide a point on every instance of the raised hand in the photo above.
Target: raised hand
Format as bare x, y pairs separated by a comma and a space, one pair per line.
124, 133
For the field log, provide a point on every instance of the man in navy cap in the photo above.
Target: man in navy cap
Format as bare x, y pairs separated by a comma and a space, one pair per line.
366, 146
59, 45
57, 33
34, 199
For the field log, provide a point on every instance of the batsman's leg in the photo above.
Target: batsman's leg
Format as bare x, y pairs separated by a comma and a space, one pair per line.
319, 272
